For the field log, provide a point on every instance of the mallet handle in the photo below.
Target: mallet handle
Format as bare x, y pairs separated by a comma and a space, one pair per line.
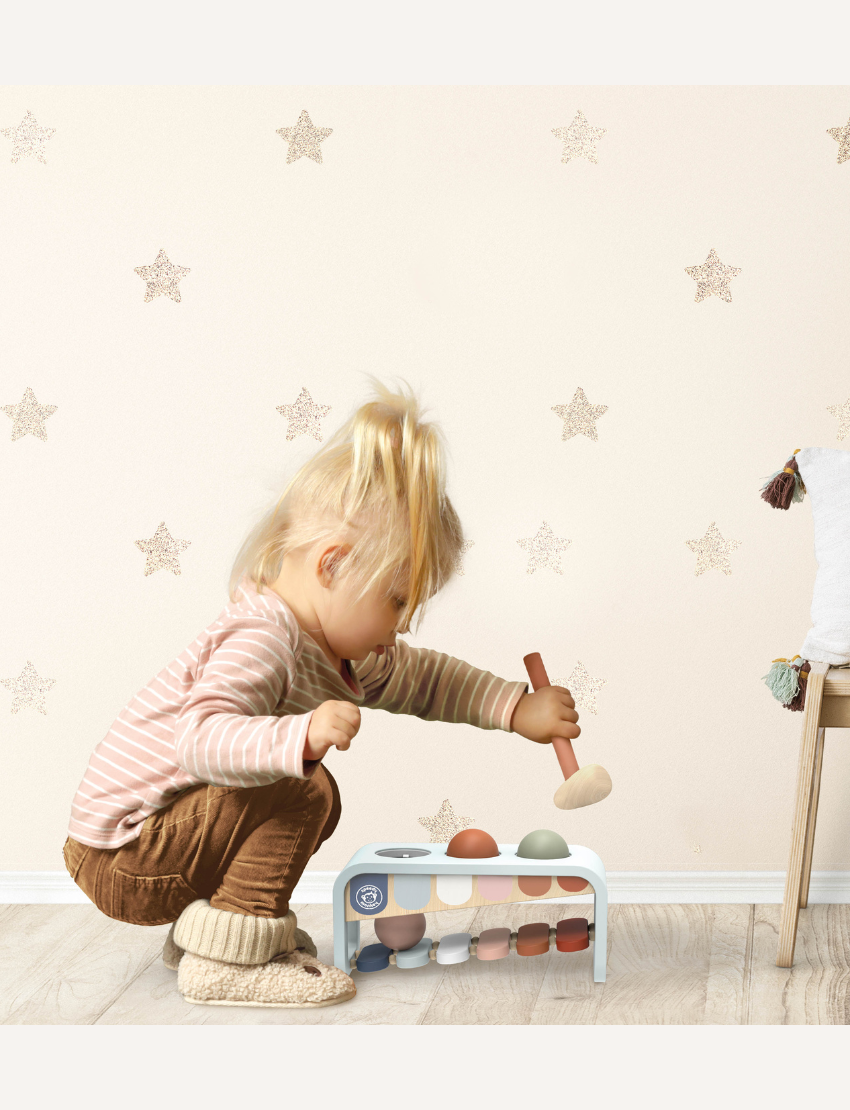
563, 748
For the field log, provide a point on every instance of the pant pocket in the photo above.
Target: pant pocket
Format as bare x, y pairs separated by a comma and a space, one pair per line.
74, 855
149, 900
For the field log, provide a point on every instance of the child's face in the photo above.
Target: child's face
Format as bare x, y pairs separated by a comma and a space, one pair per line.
353, 629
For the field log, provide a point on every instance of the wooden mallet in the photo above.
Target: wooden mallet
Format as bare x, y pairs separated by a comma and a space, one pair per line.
581, 786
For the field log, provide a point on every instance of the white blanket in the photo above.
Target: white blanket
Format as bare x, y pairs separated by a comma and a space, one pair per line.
826, 474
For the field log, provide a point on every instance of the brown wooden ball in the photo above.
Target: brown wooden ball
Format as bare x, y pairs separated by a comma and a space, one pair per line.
472, 844
402, 932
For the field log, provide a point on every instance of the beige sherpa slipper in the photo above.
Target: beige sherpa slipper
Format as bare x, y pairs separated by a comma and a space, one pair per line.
291, 979
172, 952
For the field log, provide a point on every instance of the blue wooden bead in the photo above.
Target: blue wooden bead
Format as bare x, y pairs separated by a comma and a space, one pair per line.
374, 957
415, 957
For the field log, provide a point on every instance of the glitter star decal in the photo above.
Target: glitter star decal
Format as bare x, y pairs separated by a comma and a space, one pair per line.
304, 138
579, 139
579, 416
445, 824
713, 551
28, 416
28, 137
162, 551
28, 689
304, 416
843, 414
713, 277
162, 277
545, 549
582, 687
465, 546
842, 137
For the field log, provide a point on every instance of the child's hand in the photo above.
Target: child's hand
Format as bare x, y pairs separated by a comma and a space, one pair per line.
549, 711
333, 725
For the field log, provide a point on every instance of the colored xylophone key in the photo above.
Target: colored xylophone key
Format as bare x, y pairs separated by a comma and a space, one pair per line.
454, 949
417, 956
571, 934
533, 939
494, 944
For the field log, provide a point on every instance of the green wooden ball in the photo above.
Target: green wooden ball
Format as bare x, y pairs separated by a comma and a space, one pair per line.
543, 844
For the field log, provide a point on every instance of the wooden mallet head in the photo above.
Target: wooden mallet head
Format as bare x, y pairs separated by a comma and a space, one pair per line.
582, 786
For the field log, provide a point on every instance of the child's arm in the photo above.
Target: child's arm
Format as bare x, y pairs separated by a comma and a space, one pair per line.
226, 733
437, 687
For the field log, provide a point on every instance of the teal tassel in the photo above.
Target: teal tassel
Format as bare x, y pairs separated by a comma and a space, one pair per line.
783, 680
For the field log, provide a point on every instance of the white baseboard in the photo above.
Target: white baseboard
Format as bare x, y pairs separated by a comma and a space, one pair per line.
18, 887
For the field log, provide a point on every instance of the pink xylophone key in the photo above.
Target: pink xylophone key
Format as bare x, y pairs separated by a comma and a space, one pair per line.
494, 944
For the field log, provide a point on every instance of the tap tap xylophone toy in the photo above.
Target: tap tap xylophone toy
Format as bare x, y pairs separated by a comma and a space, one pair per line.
395, 885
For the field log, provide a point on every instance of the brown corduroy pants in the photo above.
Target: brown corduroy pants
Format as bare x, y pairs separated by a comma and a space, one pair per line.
242, 848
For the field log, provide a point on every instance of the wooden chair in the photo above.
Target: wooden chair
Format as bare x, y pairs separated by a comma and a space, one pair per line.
827, 706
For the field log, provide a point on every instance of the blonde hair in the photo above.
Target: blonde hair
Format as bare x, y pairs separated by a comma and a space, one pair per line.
379, 485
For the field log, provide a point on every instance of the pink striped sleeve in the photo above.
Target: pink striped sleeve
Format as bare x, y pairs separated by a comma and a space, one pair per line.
437, 687
226, 734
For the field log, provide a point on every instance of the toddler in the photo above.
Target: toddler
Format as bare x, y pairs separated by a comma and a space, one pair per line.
204, 802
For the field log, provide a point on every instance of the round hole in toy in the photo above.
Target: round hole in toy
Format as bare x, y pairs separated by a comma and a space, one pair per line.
403, 853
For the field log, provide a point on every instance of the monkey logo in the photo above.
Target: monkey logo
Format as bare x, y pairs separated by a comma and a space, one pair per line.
368, 898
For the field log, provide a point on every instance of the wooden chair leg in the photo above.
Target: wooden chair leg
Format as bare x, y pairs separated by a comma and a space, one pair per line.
813, 816
802, 812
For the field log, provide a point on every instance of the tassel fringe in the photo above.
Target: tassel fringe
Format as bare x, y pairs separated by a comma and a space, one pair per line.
784, 486
787, 682
785, 679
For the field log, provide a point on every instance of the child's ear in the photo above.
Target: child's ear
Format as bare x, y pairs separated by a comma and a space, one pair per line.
329, 562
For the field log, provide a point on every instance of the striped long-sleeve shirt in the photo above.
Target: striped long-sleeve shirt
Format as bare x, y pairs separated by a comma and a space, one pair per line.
234, 709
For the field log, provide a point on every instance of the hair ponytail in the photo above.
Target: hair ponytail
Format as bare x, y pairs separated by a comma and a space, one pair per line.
378, 484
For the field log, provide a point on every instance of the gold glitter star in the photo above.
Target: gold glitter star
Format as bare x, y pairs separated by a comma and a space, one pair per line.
579, 416
162, 277
843, 414
466, 545
842, 137
545, 549
28, 416
304, 416
304, 138
713, 551
713, 277
162, 551
29, 138
28, 689
445, 824
582, 687
579, 139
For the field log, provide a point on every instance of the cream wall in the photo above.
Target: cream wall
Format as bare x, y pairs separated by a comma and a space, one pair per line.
441, 238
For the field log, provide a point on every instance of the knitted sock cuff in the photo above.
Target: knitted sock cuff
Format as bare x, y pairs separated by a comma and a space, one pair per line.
235, 938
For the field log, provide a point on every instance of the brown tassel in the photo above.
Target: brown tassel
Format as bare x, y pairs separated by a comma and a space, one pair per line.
779, 491
798, 702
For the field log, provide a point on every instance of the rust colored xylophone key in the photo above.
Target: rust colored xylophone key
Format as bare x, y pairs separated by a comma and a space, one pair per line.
571, 934
533, 939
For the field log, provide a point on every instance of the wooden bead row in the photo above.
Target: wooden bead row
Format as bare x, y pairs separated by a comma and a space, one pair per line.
570, 935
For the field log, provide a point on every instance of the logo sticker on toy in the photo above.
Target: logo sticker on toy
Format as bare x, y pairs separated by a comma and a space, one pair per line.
369, 894
369, 898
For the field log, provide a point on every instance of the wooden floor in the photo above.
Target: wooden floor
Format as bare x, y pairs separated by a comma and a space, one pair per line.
667, 965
